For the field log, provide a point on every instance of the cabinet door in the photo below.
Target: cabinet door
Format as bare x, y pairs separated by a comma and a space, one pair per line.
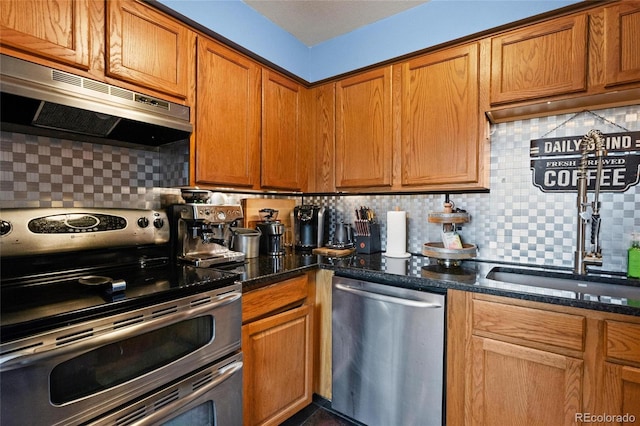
622, 50
227, 147
516, 385
147, 49
283, 158
57, 29
323, 118
363, 130
621, 392
540, 60
277, 366
439, 115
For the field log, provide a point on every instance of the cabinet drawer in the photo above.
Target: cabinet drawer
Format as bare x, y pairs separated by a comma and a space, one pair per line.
280, 295
534, 325
622, 341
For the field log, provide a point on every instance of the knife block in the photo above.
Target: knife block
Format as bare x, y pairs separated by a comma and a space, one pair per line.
367, 244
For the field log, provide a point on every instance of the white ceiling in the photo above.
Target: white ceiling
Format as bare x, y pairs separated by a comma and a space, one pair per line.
315, 21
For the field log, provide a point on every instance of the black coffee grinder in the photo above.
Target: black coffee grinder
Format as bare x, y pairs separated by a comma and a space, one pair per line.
310, 226
272, 230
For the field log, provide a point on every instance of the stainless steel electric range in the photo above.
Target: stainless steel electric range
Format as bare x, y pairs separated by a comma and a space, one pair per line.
100, 326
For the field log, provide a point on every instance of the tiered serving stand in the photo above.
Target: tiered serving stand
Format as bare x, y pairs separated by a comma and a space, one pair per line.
449, 219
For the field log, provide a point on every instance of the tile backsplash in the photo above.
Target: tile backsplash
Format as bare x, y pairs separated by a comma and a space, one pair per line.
514, 222
38, 171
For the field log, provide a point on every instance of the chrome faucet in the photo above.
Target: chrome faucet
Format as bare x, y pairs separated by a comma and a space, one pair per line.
593, 141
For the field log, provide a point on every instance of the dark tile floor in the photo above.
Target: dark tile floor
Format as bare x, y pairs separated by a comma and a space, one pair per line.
319, 413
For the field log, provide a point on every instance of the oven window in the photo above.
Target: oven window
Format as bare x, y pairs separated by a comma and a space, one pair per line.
202, 415
127, 359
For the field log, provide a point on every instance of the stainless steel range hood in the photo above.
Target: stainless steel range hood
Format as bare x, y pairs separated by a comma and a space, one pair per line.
41, 100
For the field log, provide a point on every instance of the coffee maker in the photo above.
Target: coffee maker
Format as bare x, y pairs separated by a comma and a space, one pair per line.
201, 233
272, 230
309, 226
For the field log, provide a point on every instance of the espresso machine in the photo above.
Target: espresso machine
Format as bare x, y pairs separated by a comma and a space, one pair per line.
201, 233
309, 226
272, 230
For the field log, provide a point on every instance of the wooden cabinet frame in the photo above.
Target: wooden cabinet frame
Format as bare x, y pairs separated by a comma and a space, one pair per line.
278, 341
539, 61
363, 149
621, 43
437, 116
146, 48
30, 27
595, 371
512, 381
227, 133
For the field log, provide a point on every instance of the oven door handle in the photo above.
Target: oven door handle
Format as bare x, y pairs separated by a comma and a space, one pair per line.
31, 355
168, 411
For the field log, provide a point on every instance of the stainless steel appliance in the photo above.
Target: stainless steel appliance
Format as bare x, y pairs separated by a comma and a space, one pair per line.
42, 100
201, 233
342, 237
388, 353
247, 241
310, 226
271, 230
96, 319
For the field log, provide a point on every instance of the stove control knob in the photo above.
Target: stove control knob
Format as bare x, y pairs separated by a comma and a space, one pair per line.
158, 223
143, 222
5, 227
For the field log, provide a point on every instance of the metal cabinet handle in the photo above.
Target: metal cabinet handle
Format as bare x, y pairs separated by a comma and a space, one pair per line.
416, 303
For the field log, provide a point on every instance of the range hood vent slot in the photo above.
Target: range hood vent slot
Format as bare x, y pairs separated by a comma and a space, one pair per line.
51, 116
41, 100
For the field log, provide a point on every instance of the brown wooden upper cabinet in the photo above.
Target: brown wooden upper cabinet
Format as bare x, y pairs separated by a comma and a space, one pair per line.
438, 119
146, 48
540, 60
283, 152
622, 46
227, 131
58, 30
363, 150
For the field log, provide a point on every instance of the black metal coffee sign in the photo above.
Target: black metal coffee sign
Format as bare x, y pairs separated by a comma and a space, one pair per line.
558, 171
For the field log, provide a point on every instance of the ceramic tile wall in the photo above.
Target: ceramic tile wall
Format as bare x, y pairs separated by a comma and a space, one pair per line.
515, 222
37, 171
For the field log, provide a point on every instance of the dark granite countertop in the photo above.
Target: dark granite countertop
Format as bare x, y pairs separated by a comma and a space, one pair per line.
263, 270
421, 273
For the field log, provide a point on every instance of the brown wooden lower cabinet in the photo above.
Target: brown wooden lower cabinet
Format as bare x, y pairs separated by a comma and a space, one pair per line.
622, 391
278, 352
513, 384
506, 364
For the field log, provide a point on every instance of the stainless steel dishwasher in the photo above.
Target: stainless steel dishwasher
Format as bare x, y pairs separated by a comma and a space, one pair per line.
388, 353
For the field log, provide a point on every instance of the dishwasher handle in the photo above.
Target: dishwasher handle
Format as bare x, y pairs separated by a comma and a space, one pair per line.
416, 303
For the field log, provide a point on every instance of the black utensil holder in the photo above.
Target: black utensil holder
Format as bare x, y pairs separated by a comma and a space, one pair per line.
367, 244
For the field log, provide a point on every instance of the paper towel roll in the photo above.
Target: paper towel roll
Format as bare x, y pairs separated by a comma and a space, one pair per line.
397, 234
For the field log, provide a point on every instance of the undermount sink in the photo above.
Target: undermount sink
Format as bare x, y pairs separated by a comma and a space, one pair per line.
587, 287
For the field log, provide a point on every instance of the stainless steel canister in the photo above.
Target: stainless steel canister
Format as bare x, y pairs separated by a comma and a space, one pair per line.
247, 241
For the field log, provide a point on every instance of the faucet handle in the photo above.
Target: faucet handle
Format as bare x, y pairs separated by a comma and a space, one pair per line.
587, 212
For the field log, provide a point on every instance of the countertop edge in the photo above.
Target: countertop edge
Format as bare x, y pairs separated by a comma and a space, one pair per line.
440, 286
418, 275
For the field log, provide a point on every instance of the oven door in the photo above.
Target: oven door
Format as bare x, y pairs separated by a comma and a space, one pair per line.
209, 397
74, 373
